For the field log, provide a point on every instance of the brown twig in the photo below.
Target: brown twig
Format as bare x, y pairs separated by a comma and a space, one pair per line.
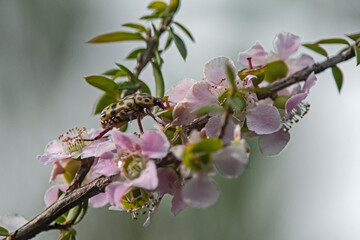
80, 175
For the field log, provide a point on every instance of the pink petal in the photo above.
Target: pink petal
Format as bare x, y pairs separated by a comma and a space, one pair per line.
213, 126
106, 165
167, 178
53, 157
115, 191
98, 201
256, 53
232, 160
286, 44
200, 192
148, 178
292, 102
178, 92
215, 70
263, 119
300, 63
90, 150
126, 141
309, 83
177, 204
51, 195
155, 144
273, 144
182, 114
103, 147
57, 170
54, 147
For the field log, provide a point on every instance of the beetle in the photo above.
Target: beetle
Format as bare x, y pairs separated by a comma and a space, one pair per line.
134, 106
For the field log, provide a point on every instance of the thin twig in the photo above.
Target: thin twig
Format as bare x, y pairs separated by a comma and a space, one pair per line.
80, 174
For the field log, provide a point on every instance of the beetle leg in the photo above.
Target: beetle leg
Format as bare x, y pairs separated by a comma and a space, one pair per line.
139, 123
101, 134
148, 111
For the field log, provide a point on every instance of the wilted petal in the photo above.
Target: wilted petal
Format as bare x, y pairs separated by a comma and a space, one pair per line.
178, 92
213, 126
115, 191
232, 160
256, 53
215, 70
286, 44
200, 192
155, 144
263, 119
309, 83
126, 141
98, 201
292, 102
273, 144
11, 222
106, 165
148, 178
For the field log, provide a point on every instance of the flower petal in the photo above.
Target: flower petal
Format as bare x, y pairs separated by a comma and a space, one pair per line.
53, 157
155, 144
11, 222
148, 178
106, 165
300, 63
57, 170
126, 141
215, 70
167, 178
200, 192
115, 191
98, 201
292, 102
263, 119
177, 204
273, 144
51, 195
232, 160
178, 92
286, 44
256, 53
309, 83
215, 123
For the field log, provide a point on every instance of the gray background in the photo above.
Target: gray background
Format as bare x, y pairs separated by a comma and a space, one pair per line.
310, 191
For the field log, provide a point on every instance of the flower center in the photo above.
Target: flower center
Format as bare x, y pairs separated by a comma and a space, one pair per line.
73, 140
131, 164
295, 115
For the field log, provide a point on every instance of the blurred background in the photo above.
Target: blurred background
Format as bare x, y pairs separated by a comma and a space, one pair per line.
310, 191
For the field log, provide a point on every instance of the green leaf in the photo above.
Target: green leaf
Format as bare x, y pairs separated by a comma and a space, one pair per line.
68, 235
179, 44
186, 31
208, 145
275, 70
209, 109
157, 6
333, 41
126, 85
357, 54
103, 83
124, 127
316, 48
354, 36
120, 73
73, 214
127, 71
231, 77
174, 6
169, 40
111, 72
116, 37
149, 17
136, 26
159, 80
145, 88
237, 104
84, 207
134, 54
338, 76
104, 101
4, 231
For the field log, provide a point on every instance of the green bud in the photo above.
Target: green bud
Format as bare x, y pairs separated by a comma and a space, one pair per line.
280, 101
70, 169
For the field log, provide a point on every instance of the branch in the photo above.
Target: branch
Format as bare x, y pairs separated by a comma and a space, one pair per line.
304, 73
80, 174
43, 220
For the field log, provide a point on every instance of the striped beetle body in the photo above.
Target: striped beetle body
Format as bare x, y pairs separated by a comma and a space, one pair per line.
134, 106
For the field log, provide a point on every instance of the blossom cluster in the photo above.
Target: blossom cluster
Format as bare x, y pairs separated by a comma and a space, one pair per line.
180, 162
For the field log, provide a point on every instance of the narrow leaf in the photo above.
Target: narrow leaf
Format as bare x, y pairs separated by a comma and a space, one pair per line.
145, 88
127, 71
182, 27
179, 44
231, 77
354, 36
126, 85
357, 54
209, 109
134, 54
136, 26
104, 101
116, 37
333, 41
4, 232
174, 6
338, 76
316, 48
168, 41
159, 80
111, 72
149, 17
102, 83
